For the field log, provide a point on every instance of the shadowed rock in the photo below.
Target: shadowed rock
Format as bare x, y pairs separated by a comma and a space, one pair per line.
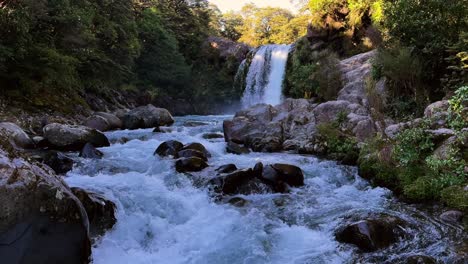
100, 211
169, 148
191, 164
42, 221
90, 152
226, 168
372, 234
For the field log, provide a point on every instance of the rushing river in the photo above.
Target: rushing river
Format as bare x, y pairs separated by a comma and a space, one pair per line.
163, 217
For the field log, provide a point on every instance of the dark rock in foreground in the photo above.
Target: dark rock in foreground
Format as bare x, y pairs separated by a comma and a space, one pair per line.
260, 179
58, 161
73, 138
372, 234
212, 136
239, 182
188, 153
169, 148
199, 147
226, 168
90, 152
41, 221
191, 164
235, 148
101, 212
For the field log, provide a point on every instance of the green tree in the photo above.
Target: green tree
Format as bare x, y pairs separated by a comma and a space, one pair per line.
160, 65
231, 25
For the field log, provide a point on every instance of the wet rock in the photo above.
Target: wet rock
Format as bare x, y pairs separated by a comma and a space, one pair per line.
212, 136
277, 174
58, 161
239, 182
147, 117
68, 137
195, 124
16, 135
420, 259
226, 168
192, 164
42, 221
235, 148
100, 211
199, 147
90, 152
452, 216
258, 169
97, 122
169, 148
40, 142
238, 202
372, 234
113, 121
188, 153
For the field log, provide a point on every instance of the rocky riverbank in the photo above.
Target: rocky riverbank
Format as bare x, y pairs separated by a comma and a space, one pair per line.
40, 213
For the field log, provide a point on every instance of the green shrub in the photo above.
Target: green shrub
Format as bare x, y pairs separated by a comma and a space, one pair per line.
456, 197
458, 116
339, 144
403, 71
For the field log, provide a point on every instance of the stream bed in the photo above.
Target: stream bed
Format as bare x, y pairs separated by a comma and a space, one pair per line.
163, 217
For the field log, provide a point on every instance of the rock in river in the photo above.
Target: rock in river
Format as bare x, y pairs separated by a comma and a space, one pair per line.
100, 211
42, 221
191, 164
372, 234
147, 117
169, 148
74, 138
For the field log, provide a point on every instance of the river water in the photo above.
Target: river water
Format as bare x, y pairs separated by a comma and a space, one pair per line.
164, 217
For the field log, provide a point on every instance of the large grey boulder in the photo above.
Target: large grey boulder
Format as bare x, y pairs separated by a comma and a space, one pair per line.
113, 121
97, 122
147, 116
70, 137
16, 135
41, 220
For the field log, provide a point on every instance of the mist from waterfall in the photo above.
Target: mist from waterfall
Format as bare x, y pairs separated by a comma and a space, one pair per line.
265, 75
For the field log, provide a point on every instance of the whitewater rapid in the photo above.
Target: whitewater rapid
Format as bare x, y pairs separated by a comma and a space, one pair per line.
166, 217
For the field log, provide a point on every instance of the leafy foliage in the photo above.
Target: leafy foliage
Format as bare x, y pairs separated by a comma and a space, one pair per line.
418, 166
312, 73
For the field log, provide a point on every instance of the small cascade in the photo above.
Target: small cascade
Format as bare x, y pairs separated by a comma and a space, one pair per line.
264, 80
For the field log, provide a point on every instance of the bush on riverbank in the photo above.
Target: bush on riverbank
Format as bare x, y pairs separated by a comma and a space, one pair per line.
422, 165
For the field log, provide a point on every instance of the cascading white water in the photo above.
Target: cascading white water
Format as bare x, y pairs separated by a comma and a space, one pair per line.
264, 79
164, 217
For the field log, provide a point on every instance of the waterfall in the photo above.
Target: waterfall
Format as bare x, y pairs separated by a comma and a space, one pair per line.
265, 75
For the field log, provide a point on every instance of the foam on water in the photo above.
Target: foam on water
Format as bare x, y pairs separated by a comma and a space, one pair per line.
164, 218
